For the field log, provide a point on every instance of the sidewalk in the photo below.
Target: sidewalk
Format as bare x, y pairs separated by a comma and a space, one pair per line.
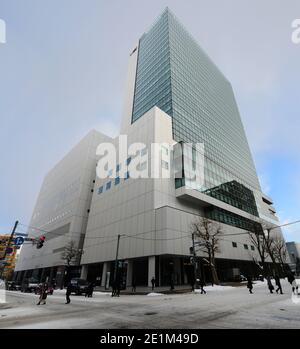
144, 290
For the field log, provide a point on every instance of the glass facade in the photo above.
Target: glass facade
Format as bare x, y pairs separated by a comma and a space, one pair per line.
176, 75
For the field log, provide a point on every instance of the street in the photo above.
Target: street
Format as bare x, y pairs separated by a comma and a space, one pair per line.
221, 307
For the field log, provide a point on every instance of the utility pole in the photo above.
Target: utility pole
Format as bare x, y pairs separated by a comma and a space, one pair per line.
8, 245
195, 262
116, 261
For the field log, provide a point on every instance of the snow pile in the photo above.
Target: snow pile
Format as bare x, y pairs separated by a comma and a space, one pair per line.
98, 293
154, 294
215, 288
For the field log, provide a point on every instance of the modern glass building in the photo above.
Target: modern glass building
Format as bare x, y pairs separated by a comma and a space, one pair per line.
174, 74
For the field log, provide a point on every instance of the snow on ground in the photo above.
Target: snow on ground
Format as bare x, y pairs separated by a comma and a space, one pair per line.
154, 294
216, 288
231, 307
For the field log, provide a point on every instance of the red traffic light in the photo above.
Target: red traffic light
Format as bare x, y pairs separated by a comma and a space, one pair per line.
41, 241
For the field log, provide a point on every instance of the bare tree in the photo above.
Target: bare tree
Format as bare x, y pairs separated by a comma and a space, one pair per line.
71, 254
280, 252
258, 240
207, 232
267, 245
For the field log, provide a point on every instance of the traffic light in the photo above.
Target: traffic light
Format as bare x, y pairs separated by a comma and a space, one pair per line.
41, 241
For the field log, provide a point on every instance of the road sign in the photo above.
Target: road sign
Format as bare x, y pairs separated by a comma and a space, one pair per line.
19, 241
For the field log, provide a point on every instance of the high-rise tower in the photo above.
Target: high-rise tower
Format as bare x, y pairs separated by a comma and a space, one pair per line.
172, 72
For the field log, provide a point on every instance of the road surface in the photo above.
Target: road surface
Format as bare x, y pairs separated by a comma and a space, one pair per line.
228, 307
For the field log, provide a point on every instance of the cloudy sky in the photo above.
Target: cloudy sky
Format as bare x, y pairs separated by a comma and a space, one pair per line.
63, 70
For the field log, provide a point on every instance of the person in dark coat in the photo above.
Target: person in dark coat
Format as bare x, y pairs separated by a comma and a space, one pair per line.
68, 293
172, 284
133, 285
193, 283
202, 284
278, 284
114, 288
43, 294
249, 284
270, 285
90, 290
118, 288
153, 283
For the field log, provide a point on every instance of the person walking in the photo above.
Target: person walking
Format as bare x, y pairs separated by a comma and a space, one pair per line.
278, 284
202, 284
270, 285
292, 281
118, 288
114, 288
172, 284
133, 285
89, 290
193, 283
153, 283
249, 284
68, 293
43, 294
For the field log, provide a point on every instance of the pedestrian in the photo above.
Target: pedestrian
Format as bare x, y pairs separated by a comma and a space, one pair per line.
68, 293
153, 283
114, 288
133, 285
118, 288
278, 284
172, 284
202, 284
43, 294
249, 284
193, 284
90, 290
270, 285
292, 281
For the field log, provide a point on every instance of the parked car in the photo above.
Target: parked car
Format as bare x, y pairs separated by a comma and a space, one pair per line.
13, 286
79, 286
243, 277
30, 285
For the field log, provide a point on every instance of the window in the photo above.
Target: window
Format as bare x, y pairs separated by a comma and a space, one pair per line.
108, 185
100, 190
144, 152
164, 150
143, 166
165, 164
117, 180
126, 175
128, 161
246, 247
234, 244
252, 248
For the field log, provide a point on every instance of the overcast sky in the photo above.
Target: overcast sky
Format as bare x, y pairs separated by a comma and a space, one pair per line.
63, 70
